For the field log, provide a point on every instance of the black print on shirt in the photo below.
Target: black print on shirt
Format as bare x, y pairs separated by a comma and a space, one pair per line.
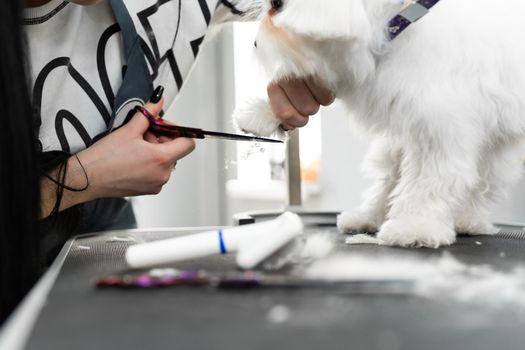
65, 63
101, 63
152, 54
153, 57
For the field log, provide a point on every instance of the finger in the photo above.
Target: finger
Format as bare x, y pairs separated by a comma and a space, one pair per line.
151, 137
155, 108
178, 148
139, 124
164, 139
321, 94
285, 128
300, 96
283, 109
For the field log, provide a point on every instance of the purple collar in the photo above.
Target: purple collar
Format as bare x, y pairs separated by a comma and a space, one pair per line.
409, 15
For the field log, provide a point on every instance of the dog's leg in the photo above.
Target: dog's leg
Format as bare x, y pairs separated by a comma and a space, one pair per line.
500, 167
435, 178
382, 164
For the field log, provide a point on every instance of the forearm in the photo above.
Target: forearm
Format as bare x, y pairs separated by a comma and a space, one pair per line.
130, 161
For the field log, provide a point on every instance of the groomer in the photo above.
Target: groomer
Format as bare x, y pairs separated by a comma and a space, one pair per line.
92, 61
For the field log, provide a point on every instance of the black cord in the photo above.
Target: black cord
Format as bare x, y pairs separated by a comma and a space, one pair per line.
61, 184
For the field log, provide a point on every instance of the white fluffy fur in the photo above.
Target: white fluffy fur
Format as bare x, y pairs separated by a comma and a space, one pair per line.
445, 102
256, 117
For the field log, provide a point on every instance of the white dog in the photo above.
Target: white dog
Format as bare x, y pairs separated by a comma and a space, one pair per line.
445, 101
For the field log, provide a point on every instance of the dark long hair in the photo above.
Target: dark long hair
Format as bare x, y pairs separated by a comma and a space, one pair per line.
19, 191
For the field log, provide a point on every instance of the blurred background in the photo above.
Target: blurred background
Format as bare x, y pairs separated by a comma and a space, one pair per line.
221, 178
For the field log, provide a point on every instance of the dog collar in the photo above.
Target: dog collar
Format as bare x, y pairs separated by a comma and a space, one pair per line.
412, 11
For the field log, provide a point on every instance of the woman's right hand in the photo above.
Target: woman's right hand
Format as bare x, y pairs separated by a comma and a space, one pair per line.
132, 161
128, 162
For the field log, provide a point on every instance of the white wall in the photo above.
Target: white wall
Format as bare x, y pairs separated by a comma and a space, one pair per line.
342, 181
194, 196
512, 209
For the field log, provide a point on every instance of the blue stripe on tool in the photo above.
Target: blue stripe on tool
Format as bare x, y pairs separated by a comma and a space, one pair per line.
221, 243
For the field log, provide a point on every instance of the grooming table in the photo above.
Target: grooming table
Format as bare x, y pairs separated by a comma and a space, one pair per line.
77, 315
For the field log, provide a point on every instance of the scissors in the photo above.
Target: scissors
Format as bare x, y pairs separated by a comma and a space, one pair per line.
160, 127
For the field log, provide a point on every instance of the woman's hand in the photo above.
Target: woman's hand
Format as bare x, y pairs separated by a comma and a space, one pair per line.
132, 161
128, 162
293, 101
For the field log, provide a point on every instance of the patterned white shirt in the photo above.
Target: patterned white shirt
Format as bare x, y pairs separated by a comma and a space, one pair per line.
78, 61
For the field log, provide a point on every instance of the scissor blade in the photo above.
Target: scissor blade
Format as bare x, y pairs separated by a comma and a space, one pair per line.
182, 131
236, 137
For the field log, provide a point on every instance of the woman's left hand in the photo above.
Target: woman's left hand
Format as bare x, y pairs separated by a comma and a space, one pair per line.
293, 101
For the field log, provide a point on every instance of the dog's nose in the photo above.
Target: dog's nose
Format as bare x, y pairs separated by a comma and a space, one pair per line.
277, 4
255, 43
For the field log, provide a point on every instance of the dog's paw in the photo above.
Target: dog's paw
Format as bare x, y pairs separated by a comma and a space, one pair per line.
475, 228
415, 231
357, 222
256, 117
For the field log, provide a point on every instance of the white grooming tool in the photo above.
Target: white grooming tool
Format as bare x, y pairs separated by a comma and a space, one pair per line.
254, 243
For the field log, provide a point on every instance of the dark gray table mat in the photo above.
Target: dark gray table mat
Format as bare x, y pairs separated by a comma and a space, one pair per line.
79, 316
